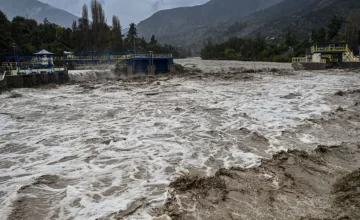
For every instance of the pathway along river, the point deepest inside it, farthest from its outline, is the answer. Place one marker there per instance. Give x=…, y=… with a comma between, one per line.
x=111, y=148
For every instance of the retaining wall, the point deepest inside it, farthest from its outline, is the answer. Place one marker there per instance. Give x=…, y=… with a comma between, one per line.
x=309, y=66
x=323, y=66
x=29, y=81
x=350, y=65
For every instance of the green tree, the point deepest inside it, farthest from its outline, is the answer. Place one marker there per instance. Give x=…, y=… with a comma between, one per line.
x=29, y=36
x=153, y=40
x=208, y=51
x=84, y=26
x=132, y=37
x=334, y=27
x=318, y=35
x=100, y=30
x=352, y=31
x=116, y=35
x=5, y=36
x=291, y=38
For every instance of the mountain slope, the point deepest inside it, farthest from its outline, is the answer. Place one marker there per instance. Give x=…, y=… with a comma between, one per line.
x=36, y=10
x=300, y=16
x=168, y=24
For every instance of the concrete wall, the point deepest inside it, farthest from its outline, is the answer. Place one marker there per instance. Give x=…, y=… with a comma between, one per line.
x=316, y=58
x=29, y=81
x=309, y=66
x=349, y=65
x=323, y=66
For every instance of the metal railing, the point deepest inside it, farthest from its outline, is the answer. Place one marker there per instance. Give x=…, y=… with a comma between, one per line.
x=305, y=60
x=351, y=56
x=300, y=60
x=167, y=55
x=330, y=48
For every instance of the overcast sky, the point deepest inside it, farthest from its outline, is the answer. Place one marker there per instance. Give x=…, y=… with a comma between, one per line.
x=128, y=10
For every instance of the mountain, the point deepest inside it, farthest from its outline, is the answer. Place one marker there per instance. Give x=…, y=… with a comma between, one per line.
x=36, y=10
x=174, y=24
x=299, y=16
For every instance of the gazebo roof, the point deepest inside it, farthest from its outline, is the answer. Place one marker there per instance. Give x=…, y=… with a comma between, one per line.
x=43, y=52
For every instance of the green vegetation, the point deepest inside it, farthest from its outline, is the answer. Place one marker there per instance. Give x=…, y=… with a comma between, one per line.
x=260, y=48
x=85, y=35
x=255, y=49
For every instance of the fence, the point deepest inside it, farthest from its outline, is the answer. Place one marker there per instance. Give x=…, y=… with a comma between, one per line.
x=330, y=48
x=305, y=60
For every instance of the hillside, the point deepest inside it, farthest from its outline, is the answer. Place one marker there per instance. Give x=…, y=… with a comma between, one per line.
x=174, y=24
x=300, y=16
x=36, y=10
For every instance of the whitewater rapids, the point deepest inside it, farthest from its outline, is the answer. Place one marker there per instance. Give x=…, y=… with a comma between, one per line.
x=105, y=145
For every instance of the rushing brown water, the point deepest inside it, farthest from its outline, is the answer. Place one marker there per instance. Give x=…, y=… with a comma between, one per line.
x=93, y=150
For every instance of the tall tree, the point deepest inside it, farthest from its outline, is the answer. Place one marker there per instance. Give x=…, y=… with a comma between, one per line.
x=85, y=28
x=116, y=35
x=318, y=35
x=352, y=31
x=334, y=27
x=290, y=38
x=76, y=36
x=100, y=29
x=5, y=36
x=132, y=36
x=153, y=41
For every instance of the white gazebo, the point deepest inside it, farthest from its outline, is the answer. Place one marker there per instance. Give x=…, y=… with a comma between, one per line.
x=45, y=57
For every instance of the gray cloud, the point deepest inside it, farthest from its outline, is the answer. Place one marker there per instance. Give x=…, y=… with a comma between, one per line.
x=127, y=10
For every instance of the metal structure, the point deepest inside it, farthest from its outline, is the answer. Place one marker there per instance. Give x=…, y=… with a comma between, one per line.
x=160, y=62
x=41, y=62
x=328, y=52
x=93, y=57
x=44, y=61
x=140, y=63
x=327, y=55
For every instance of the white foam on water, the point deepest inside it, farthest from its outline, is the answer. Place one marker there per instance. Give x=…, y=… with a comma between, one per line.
x=115, y=145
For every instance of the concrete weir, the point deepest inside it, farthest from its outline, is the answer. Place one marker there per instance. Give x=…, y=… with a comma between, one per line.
x=31, y=80
x=150, y=64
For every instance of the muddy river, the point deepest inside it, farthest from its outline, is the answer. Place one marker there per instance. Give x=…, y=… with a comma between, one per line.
x=92, y=150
